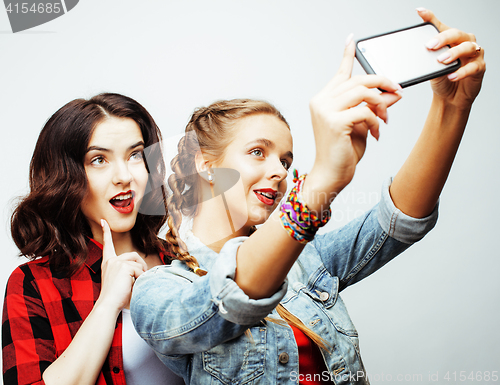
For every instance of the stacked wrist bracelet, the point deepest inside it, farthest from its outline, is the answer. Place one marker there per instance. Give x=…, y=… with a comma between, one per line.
x=300, y=223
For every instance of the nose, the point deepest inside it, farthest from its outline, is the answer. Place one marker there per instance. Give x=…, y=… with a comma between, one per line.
x=278, y=172
x=121, y=174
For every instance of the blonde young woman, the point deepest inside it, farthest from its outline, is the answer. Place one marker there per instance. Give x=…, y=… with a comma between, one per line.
x=265, y=308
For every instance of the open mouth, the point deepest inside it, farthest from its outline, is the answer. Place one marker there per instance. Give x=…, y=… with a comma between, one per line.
x=123, y=202
x=266, y=196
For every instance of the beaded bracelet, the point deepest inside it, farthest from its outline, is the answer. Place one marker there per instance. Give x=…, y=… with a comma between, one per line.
x=298, y=221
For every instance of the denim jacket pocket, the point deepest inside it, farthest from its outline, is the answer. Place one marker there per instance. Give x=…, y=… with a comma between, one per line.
x=240, y=360
x=322, y=287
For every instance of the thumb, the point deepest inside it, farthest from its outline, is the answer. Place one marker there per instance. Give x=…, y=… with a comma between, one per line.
x=390, y=97
x=428, y=16
x=108, y=248
x=345, y=70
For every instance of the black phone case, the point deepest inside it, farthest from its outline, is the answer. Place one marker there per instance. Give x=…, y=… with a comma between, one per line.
x=369, y=70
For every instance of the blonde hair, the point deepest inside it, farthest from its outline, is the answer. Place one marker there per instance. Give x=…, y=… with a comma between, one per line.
x=210, y=130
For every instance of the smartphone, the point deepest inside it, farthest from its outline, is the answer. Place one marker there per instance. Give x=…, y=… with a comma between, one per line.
x=402, y=56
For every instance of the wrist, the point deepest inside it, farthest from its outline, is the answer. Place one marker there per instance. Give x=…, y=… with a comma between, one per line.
x=106, y=308
x=319, y=190
x=297, y=218
x=449, y=105
x=448, y=116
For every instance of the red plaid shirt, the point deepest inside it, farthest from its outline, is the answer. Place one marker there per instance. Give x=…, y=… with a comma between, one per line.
x=42, y=313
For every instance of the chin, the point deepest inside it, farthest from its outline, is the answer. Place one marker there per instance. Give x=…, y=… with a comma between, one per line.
x=120, y=227
x=256, y=219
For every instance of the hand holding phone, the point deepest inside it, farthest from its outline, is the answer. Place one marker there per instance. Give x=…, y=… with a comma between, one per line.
x=402, y=55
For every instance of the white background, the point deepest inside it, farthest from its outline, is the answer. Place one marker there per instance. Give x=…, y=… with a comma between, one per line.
x=433, y=310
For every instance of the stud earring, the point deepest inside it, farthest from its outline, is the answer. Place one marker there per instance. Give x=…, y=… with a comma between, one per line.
x=211, y=181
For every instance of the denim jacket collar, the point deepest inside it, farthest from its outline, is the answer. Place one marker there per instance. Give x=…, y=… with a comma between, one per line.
x=204, y=255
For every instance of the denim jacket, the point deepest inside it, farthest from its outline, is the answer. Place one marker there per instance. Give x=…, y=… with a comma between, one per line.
x=197, y=325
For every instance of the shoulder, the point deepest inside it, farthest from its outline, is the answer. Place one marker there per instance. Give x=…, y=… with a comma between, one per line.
x=172, y=274
x=33, y=269
x=23, y=294
x=306, y=264
x=26, y=275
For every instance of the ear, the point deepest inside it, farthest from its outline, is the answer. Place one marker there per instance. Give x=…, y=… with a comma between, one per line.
x=202, y=165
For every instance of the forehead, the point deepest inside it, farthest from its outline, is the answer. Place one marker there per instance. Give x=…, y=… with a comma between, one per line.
x=114, y=131
x=263, y=126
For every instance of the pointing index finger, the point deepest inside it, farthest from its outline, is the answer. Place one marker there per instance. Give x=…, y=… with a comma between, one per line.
x=108, y=248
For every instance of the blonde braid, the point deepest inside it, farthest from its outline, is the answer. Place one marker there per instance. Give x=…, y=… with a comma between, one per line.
x=176, y=204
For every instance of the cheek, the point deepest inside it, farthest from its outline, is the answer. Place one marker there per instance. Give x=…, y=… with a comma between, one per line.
x=89, y=204
x=282, y=188
x=94, y=189
x=250, y=176
x=141, y=176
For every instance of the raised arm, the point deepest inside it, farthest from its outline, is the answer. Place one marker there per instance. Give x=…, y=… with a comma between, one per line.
x=340, y=134
x=417, y=186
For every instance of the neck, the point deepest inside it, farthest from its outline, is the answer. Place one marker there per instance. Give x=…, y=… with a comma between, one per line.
x=123, y=243
x=214, y=225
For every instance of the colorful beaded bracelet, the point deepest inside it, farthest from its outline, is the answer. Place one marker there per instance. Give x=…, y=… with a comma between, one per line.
x=300, y=223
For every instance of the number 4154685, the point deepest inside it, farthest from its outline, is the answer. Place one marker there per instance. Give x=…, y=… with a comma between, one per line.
x=478, y=376
x=34, y=8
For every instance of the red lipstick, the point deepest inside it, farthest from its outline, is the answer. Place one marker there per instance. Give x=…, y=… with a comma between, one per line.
x=123, y=202
x=266, y=195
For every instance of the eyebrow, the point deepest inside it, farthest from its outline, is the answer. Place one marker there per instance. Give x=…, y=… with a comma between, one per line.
x=97, y=148
x=269, y=144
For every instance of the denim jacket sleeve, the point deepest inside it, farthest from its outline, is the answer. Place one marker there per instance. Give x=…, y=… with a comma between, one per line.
x=367, y=243
x=178, y=312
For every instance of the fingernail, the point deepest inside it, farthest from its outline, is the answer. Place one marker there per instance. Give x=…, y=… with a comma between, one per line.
x=444, y=56
x=432, y=43
x=397, y=86
x=102, y=222
x=421, y=9
x=349, y=39
x=452, y=76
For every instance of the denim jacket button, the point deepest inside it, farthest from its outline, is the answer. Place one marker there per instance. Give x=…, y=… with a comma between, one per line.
x=324, y=296
x=283, y=358
x=221, y=308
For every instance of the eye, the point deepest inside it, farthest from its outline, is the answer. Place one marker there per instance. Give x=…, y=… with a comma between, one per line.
x=285, y=164
x=98, y=161
x=257, y=152
x=137, y=156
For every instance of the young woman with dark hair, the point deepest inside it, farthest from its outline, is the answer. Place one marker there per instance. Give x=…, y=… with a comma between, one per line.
x=272, y=314
x=97, y=163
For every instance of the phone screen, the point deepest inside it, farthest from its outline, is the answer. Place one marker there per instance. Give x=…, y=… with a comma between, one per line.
x=402, y=55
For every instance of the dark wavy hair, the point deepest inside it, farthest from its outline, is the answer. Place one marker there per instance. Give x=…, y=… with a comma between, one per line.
x=49, y=221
